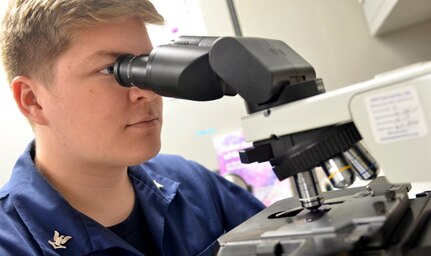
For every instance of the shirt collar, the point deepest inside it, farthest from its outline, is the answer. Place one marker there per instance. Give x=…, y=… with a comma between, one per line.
x=44, y=211
x=155, y=193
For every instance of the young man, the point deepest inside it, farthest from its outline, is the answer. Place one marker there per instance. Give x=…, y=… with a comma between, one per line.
x=80, y=188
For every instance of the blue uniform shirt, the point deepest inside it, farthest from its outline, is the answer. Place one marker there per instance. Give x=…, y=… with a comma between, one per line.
x=187, y=208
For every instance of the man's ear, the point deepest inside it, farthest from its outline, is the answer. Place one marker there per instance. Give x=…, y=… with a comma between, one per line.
x=25, y=94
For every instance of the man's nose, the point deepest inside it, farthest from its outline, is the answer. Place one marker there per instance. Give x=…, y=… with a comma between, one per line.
x=136, y=94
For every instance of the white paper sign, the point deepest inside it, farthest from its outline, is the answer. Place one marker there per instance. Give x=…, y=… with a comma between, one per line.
x=396, y=115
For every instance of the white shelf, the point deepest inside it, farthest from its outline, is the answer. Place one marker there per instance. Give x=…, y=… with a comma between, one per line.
x=384, y=16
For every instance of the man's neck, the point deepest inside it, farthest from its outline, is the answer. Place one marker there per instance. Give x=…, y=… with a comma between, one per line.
x=103, y=193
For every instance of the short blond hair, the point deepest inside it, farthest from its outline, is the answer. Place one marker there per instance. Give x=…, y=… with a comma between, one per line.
x=35, y=32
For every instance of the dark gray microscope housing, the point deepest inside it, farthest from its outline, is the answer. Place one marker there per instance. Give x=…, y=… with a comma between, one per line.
x=378, y=219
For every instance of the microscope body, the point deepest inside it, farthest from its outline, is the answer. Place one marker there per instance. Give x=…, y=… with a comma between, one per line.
x=391, y=114
x=297, y=126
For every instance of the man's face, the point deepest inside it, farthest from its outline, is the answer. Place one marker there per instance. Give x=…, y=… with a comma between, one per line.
x=90, y=116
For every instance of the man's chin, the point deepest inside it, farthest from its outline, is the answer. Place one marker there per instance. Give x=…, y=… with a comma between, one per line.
x=140, y=159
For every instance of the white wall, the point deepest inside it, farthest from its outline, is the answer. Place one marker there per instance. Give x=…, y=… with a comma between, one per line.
x=15, y=132
x=189, y=127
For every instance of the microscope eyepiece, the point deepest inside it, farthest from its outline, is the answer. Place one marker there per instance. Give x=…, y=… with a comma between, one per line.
x=131, y=70
x=174, y=70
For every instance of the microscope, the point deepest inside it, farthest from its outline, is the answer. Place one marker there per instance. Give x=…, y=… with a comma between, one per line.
x=298, y=127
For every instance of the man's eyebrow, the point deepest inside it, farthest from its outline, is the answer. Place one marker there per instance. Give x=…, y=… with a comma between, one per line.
x=104, y=53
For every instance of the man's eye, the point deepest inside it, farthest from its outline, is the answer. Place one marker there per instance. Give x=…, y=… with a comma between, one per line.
x=109, y=70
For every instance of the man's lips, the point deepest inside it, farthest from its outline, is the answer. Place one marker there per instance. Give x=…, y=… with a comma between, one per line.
x=151, y=121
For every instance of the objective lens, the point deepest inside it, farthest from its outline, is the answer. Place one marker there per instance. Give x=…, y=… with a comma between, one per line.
x=339, y=172
x=362, y=162
x=308, y=189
